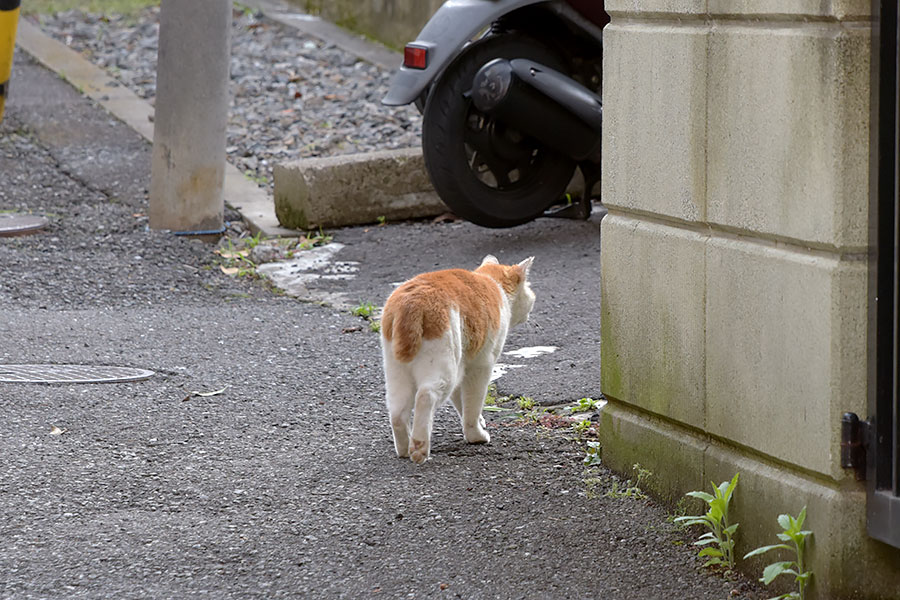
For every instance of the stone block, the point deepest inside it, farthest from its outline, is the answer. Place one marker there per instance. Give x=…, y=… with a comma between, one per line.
x=836, y=514
x=354, y=189
x=797, y=9
x=652, y=320
x=682, y=460
x=673, y=455
x=837, y=9
x=785, y=350
x=788, y=132
x=654, y=119
x=655, y=7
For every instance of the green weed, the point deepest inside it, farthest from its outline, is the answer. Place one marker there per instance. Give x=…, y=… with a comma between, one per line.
x=124, y=7
x=364, y=310
x=632, y=487
x=584, y=405
x=582, y=427
x=721, y=532
x=492, y=397
x=592, y=454
x=792, y=531
x=313, y=239
x=254, y=240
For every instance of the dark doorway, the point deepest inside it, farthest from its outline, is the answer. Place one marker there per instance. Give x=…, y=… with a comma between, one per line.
x=883, y=507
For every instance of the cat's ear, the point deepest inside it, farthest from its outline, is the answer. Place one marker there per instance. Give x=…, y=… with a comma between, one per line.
x=525, y=265
x=490, y=259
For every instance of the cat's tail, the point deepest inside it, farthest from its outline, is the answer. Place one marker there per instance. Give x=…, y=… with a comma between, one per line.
x=404, y=329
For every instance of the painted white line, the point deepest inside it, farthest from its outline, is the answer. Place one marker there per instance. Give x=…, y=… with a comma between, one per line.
x=532, y=351
x=501, y=369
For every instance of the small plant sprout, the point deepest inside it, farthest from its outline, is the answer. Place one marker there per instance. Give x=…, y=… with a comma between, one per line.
x=313, y=239
x=254, y=240
x=364, y=310
x=633, y=487
x=792, y=531
x=721, y=532
x=592, y=454
x=492, y=398
x=582, y=427
x=375, y=326
x=525, y=403
x=584, y=405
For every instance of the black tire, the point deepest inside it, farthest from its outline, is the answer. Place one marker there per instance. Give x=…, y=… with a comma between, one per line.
x=484, y=172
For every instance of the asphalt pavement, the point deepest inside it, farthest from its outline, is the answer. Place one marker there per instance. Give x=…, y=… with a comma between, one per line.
x=283, y=483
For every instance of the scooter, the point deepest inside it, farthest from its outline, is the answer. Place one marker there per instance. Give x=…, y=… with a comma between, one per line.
x=510, y=93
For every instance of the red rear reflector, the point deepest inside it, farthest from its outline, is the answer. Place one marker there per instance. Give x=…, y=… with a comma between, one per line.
x=415, y=57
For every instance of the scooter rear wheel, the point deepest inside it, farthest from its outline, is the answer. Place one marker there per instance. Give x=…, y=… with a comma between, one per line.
x=486, y=173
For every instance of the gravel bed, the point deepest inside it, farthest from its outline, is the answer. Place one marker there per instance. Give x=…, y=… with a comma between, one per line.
x=292, y=96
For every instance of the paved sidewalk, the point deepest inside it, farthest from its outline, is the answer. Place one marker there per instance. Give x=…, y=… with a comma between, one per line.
x=285, y=485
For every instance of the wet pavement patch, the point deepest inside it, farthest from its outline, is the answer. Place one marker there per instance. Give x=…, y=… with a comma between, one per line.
x=70, y=374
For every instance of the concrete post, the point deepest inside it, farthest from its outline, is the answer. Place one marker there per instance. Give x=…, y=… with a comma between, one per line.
x=188, y=166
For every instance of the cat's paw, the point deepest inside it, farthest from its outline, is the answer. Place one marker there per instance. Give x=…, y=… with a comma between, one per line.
x=402, y=447
x=477, y=435
x=420, y=451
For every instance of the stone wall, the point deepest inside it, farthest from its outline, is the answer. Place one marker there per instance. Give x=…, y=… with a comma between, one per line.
x=392, y=22
x=734, y=262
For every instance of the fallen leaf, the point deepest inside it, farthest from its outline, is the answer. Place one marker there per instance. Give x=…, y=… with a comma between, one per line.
x=208, y=394
x=57, y=431
x=351, y=329
x=232, y=253
x=444, y=586
x=447, y=217
x=229, y=270
x=205, y=394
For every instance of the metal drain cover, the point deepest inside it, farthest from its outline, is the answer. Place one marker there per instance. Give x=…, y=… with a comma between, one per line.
x=70, y=374
x=15, y=224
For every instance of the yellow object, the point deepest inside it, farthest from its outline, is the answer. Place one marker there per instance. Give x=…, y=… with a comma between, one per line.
x=9, y=19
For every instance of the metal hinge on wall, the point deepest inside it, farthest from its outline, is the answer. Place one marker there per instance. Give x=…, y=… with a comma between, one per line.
x=854, y=441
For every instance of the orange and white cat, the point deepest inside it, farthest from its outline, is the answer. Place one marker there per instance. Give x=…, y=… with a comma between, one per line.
x=441, y=334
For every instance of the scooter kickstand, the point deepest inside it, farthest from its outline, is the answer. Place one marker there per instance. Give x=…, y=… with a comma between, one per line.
x=579, y=208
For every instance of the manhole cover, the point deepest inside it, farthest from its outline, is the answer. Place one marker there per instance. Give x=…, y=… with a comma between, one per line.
x=12, y=224
x=70, y=374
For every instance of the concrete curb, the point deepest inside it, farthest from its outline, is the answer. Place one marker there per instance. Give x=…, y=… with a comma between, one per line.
x=355, y=189
x=368, y=50
x=256, y=206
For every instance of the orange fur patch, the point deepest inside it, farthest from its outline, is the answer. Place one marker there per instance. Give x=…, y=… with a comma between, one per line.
x=420, y=308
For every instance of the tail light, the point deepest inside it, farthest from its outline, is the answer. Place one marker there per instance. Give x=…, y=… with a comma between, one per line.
x=415, y=57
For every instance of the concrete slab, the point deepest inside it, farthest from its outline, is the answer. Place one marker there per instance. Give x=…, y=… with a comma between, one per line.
x=653, y=350
x=654, y=150
x=354, y=189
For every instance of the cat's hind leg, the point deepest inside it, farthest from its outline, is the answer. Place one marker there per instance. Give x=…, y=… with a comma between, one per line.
x=474, y=390
x=428, y=398
x=400, y=395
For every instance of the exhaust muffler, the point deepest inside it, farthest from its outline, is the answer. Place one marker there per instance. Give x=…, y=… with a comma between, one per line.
x=542, y=103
